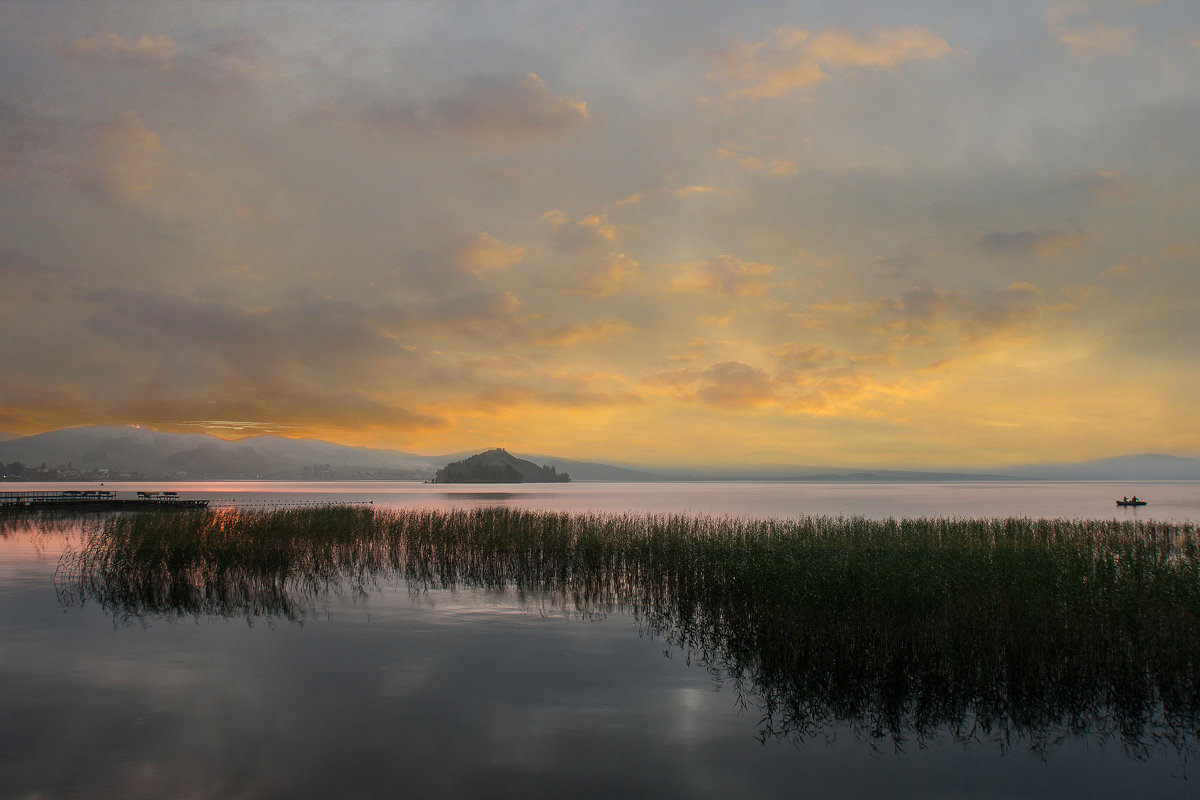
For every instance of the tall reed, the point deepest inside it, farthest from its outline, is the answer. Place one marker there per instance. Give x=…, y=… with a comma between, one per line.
x=998, y=629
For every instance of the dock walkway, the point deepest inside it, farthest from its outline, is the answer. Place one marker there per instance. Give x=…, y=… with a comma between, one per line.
x=94, y=500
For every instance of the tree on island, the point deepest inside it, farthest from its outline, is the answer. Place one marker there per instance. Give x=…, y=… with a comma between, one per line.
x=498, y=466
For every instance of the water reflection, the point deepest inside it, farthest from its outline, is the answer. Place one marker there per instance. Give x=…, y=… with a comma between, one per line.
x=489, y=496
x=1002, y=632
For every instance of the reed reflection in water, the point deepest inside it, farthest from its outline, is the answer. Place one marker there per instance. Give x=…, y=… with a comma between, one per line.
x=1005, y=631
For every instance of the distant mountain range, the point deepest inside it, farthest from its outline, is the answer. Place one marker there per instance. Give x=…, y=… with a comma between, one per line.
x=146, y=453
x=1143, y=467
x=141, y=453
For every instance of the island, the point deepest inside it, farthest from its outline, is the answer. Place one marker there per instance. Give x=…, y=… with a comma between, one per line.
x=498, y=466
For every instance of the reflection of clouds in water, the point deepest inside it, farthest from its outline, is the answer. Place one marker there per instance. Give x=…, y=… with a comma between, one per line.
x=690, y=707
x=463, y=693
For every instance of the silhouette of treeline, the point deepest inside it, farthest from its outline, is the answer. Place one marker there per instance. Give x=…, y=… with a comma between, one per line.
x=498, y=466
x=998, y=630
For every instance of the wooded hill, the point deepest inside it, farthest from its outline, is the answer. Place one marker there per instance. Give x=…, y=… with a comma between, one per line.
x=498, y=466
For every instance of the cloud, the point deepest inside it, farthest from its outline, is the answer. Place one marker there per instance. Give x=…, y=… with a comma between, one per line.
x=688, y=191
x=773, y=167
x=125, y=160
x=112, y=49
x=1097, y=41
x=885, y=49
x=23, y=279
x=734, y=383
x=617, y=272
x=923, y=317
x=601, y=225
x=1127, y=272
x=1082, y=294
x=126, y=163
x=489, y=110
x=797, y=361
x=247, y=340
x=1101, y=184
x=319, y=337
x=1062, y=11
x=593, y=232
x=483, y=252
x=470, y=312
x=567, y=335
x=723, y=275
x=810, y=381
x=1176, y=250
x=823, y=382
x=314, y=361
x=234, y=58
x=999, y=311
x=728, y=384
x=279, y=407
x=792, y=58
x=918, y=314
x=1042, y=243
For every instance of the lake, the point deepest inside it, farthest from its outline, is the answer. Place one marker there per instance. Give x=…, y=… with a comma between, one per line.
x=466, y=692
x=1174, y=500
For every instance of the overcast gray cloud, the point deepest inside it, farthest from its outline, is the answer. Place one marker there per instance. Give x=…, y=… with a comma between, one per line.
x=563, y=225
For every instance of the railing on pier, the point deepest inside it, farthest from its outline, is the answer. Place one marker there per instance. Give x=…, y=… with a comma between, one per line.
x=57, y=497
x=95, y=500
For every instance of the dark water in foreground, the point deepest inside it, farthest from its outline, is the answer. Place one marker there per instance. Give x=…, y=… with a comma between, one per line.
x=469, y=692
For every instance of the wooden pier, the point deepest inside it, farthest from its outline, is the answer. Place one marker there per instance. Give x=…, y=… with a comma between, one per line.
x=94, y=500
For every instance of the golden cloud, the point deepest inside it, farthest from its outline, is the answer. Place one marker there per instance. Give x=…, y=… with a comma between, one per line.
x=567, y=335
x=618, y=271
x=723, y=275
x=1044, y=243
x=729, y=384
x=734, y=383
x=588, y=234
x=600, y=224
x=1097, y=41
x=775, y=167
x=922, y=317
x=793, y=58
x=126, y=160
x=688, y=191
x=484, y=252
x=885, y=49
x=113, y=49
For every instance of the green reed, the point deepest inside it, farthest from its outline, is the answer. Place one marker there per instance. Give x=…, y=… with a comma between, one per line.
x=998, y=629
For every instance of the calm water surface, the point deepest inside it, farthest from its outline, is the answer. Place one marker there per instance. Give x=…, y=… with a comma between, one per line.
x=472, y=693
x=1176, y=501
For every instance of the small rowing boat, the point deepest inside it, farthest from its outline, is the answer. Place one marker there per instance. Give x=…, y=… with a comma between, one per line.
x=1133, y=502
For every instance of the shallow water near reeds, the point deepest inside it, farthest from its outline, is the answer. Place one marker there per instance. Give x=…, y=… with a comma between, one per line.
x=359, y=669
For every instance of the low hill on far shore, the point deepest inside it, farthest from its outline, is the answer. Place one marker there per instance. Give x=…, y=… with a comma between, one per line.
x=498, y=466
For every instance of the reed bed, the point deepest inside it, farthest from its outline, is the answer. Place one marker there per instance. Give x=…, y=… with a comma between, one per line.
x=1002, y=630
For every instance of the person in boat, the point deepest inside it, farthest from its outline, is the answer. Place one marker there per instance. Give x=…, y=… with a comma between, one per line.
x=1125, y=499
x=1135, y=498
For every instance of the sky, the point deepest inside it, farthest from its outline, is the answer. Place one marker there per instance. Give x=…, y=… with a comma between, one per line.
x=892, y=233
